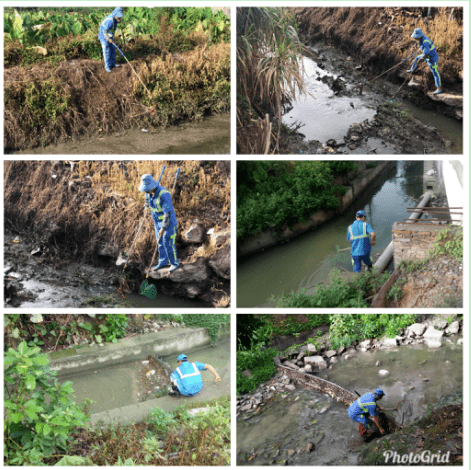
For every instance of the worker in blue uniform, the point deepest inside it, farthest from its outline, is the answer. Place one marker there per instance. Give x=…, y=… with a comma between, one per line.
x=159, y=201
x=186, y=378
x=106, y=36
x=429, y=53
x=358, y=234
x=363, y=410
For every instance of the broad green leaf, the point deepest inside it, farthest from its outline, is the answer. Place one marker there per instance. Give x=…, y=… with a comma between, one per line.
x=16, y=417
x=22, y=347
x=30, y=382
x=47, y=429
x=40, y=360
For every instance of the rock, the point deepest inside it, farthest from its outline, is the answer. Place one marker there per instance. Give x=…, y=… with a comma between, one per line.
x=460, y=341
x=219, y=238
x=441, y=324
x=378, y=363
x=347, y=357
x=385, y=131
x=453, y=328
x=455, y=101
x=333, y=360
x=389, y=343
x=356, y=127
x=301, y=355
x=307, y=368
x=246, y=407
x=432, y=333
x=352, y=146
x=417, y=329
x=195, y=234
x=433, y=343
x=383, y=372
x=311, y=348
x=290, y=387
x=192, y=290
x=277, y=361
x=220, y=262
x=366, y=344
x=106, y=249
x=291, y=365
x=186, y=273
x=331, y=353
x=318, y=361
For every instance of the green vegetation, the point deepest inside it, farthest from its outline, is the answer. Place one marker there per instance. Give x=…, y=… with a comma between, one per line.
x=291, y=325
x=275, y=193
x=40, y=413
x=339, y=292
x=449, y=242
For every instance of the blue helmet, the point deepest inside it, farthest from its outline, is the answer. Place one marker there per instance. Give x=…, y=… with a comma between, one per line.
x=417, y=34
x=361, y=214
x=147, y=183
x=117, y=13
x=379, y=392
x=182, y=357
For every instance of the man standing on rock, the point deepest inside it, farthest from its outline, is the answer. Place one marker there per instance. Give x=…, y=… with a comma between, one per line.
x=363, y=411
x=429, y=53
x=186, y=378
x=105, y=35
x=358, y=234
x=159, y=200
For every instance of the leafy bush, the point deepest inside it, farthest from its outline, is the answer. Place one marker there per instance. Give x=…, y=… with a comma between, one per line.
x=260, y=363
x=114, y=327
x=271, y=194
x=40, y=413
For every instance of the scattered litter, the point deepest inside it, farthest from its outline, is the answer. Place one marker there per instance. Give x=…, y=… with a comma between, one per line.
x=145, y=362
x=36, y=251
x=16, y=240
x=210, y=231
x=144, y=130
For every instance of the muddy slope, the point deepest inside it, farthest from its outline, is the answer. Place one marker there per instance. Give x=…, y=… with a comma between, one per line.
x=380, y=38
x=90, y=211
x=46, y=102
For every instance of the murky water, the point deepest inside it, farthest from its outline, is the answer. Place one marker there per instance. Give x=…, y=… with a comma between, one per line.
x=281, y=433
x=308, y=259
x=324, y=115
x=133, y=382
x=210, y=136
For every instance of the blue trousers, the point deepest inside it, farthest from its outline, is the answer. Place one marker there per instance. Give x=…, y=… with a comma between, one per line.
x=433, y=64
x=361, y=419
x=167, y=248
x=356, y=261
x=109, y=54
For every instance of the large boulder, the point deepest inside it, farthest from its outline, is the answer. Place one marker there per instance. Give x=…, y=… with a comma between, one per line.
x=291, y=365
x=417, y=329
x=433, y=343
x=453, y=329
x=366, y=344
x=195, y=234
x=311, y=348
x=317, y=361
x=186, y=273
x=220, y=262
x=389, y=343
x=219, y=238
x=433, y=333
x=331, y=353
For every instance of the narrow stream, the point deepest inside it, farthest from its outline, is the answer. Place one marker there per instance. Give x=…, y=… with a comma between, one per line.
x=279, y=435
x=308, y=259
x=133, y=382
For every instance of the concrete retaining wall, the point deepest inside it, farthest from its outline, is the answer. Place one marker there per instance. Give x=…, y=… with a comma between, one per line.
x=411, y=242
x=163, y=343
x=272, y=237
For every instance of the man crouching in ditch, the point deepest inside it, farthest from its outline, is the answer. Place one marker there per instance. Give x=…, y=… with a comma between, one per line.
x=186, y=378
x=364, y=411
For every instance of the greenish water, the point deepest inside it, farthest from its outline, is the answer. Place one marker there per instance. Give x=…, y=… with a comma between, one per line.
x=308, y=259
x=133, y=382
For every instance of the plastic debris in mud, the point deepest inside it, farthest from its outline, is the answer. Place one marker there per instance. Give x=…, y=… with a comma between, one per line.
x=148, y=290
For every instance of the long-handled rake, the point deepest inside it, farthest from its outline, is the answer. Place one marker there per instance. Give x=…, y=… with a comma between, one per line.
x=149, y=94
x=149, y=290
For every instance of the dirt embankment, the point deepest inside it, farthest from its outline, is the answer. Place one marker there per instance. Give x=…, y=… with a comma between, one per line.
x=91, y=211
x=380, y=38
x=49, y=102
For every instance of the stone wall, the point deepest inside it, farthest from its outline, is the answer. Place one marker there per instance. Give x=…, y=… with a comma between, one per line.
x=412, y=241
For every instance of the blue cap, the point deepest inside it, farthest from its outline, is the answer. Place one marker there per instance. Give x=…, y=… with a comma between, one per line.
x=417, y=34
x=147, y=183
x=379, y=392
x=118, y=12
x=361, y=214
x=182, y=357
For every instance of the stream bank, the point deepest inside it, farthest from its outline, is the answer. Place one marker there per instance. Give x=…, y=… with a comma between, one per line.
x=67, y=222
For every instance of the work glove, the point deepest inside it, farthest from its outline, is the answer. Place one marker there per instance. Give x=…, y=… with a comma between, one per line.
x=146, y=203
x=421, y=56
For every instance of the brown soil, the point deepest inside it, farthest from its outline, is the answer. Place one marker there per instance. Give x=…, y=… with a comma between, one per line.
x=380, y=37
x=91, y=210
x=45, y=102
x=440, y=285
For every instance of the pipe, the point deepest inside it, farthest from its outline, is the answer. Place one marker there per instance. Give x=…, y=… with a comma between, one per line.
x=387, y=254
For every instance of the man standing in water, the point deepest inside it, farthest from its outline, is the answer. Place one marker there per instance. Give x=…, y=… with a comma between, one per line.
x=159, y=200
x=186, y=378
x=363, y=411
x=105, y=35
x=358, y=234
x=429, y=53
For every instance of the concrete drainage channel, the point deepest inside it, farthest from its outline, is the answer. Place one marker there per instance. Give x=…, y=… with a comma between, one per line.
x=123, y=381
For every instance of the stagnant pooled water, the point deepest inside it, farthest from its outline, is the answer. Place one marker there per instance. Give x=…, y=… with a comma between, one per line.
x=418, y=376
